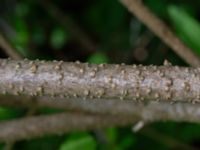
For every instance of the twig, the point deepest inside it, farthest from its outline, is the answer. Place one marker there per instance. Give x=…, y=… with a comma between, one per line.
x=149, y=112
x=161, y=30
x=8, y=48
x=31, y=127
x=91, y=81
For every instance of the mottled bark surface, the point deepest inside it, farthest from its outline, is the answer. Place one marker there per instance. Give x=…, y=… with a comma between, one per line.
x=90, y=81
x=148, y=112
x=104, y=95
x=120, y=114
x=59, y=124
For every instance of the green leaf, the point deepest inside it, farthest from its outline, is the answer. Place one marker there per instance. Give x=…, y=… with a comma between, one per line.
x=112, y=134
x=58, y=38
x=160, y=7
x=189, y=132
x=127, y=142
x=98, y=58
x=22, y=37
x=187, y=27
x=85, y=143
x=9, y=113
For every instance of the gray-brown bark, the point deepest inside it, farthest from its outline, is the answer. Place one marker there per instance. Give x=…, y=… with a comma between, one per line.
x=59, y=124
x=148, y=112
x=90, y=81
x=32, y=127
x=149, y=93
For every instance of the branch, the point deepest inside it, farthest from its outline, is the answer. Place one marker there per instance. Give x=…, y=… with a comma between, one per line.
x=149, y=112
x=27, y=128
x=90, y=81
x=8, y=48
x=12, y=53
x=62, y=123
x=157, y=26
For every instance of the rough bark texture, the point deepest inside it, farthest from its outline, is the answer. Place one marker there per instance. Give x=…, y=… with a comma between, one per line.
x=127, y=114
x=59, y=124
x=148, y=112
x=90, y=81
x=113, y=95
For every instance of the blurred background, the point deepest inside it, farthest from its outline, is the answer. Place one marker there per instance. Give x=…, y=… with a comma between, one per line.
x=100, y=31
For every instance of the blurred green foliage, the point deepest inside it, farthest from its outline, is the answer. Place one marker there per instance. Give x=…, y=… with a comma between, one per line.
x=10, y=113
x=119, y=36
x=187, y=27
x=58, y=38
x=98, y=58
x=79, y=141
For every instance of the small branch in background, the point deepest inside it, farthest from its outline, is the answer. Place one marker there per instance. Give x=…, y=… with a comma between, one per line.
x=90, y=81
x=31, y=127
x=27, y=128
x=75, y=30
x=149, y=112
x=8, y=48
x=157, y=26
x=12, y=53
